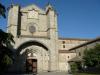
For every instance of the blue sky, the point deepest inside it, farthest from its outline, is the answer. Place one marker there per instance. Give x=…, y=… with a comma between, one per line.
x=76, y=18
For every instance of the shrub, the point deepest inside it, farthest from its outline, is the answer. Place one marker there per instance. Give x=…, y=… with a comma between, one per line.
x=74, y=67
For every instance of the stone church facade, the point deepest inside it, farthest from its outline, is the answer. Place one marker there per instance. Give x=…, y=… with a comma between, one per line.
x=37, y=45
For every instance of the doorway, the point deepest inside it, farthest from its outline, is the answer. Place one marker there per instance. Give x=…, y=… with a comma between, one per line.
x=31, y=65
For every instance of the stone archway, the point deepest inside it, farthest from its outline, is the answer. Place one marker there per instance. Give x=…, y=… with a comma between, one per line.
x=28, y=43
x=36, y=51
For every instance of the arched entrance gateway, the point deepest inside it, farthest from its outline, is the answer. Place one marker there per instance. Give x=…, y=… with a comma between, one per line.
x=32, y=56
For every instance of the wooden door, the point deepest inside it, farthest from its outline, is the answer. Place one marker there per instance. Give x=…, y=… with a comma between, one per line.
x=31, y=65
x=34, y=66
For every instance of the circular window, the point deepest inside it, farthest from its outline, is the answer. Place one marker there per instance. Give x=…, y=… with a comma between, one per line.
x=32, y=29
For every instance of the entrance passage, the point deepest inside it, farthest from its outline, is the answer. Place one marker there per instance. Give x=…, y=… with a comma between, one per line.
x=31, y=65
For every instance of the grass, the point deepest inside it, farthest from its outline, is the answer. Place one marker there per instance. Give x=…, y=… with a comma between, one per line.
x=84, y=74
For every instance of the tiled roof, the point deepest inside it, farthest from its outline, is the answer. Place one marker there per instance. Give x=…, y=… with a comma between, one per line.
x=66, y=51
x=86, y=43
x=83, y=39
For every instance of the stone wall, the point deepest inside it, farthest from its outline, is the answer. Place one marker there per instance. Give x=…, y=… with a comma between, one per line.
x=63, y=61
x=66, y=44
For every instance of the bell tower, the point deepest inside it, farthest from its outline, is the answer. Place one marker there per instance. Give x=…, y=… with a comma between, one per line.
x=51, y=21
x=53, y=35
x=31, y=23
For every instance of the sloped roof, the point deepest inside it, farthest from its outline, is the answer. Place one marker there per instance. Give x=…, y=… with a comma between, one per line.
x=83, y=39
x=86, y=43
x=76, y=59
x=66, y=51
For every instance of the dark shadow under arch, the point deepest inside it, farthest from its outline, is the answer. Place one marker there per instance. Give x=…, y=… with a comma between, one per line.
x=29, y=43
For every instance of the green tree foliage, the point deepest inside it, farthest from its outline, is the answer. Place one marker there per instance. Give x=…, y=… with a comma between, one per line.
x=6, y=41
x=74, y=67
x=2, y=10
x=6, y=38
x=6, y=53
x=92, y=56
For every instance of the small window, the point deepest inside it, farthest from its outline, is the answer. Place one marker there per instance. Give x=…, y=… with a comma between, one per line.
x=79, y=54
x=63, y=46
x=68, y=56
x=63, y=42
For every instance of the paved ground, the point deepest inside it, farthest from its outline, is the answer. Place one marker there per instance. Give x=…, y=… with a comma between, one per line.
x=45, y=73
x=54, y=73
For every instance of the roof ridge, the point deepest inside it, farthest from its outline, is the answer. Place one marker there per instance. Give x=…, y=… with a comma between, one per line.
x=74, y=38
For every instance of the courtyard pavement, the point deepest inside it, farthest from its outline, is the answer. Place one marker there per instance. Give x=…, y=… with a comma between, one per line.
x=54, y=73
x=45, y=73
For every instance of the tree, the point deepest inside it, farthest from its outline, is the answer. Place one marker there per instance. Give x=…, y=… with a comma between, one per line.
x=6, y=53
x=2, y=10
x=92, y=56
x=6, y=41
x=6, y=38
